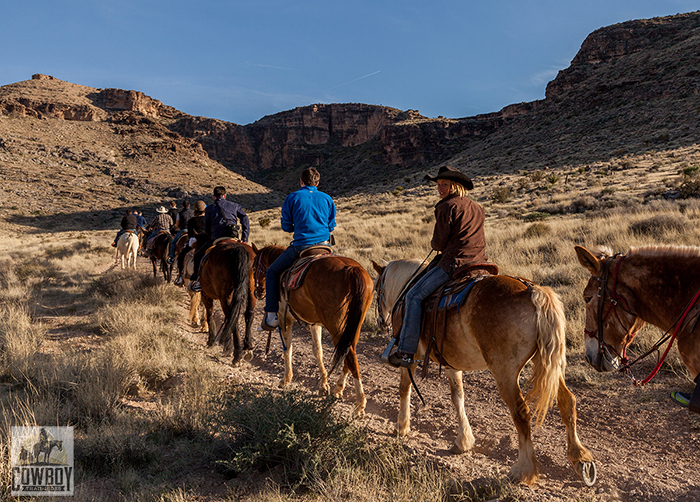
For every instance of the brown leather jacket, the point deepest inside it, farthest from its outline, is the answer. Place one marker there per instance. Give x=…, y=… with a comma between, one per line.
x=459, y=232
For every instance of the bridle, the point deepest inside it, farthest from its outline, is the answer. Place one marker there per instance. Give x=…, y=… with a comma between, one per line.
x=615, y=300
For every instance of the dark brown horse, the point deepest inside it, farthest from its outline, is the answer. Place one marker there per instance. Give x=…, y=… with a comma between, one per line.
x=159, y=252
x=655, y=284
x=336, y=293
x=226, y=275
x=503, y=324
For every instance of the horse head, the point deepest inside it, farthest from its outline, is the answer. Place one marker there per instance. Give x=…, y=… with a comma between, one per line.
x=611, y=321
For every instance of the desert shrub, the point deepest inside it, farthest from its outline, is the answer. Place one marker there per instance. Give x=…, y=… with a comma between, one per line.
x=583, y=204
x=264, y=222
x=690, y=171
x=552, y=178
x=536, y=216
x=536, y=176
x=537, y=229
x=289, y=429
x=658, y=225
x=397, y=191
x=501, y=194
x=690, y=189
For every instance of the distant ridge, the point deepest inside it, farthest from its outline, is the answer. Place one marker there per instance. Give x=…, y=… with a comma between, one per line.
x=632, y=87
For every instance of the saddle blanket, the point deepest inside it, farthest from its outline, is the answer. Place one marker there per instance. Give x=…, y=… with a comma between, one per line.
x=152, y=238
x=294, y=276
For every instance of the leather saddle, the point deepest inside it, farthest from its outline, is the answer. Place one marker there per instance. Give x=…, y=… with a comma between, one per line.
x=293, y=277
x=453, y=294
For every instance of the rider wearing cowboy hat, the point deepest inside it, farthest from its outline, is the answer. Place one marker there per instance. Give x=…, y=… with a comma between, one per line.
x=459, y=237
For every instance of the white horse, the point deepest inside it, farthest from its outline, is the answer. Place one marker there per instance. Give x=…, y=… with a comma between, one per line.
x=127, y=247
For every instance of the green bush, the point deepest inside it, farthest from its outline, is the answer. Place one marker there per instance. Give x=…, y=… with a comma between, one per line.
x=303, y=434
x=501, y=194
x=264, y=222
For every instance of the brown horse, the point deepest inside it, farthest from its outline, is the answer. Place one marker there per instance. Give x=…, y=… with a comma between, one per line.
x=336, y=293
x=226, y=275
x=504, y=323
x=655, y=284
x=159, y=252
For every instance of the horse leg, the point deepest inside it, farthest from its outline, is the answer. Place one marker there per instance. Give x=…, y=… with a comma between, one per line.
x=465, y=437
x=525, y=469
x=577, y=454
x=155, y=269
x=286, y=328
x=211, y=323
x=403, y=425
x=194, y=308
x=351, y=365
x=248, y=316
x=323, y=388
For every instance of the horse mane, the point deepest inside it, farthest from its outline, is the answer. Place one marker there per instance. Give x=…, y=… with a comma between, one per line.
x=665, y=251
x=396, y=274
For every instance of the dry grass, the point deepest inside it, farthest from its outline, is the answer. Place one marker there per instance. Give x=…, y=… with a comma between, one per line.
x=531, y=233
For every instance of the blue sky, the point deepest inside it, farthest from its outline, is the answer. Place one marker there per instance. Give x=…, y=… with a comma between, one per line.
x=241, y=60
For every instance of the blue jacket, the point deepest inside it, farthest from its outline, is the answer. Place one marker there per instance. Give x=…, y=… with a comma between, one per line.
x=216, y=223
x=310, y=214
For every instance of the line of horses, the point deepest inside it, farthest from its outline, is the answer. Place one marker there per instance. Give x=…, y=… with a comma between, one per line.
x=504, y=323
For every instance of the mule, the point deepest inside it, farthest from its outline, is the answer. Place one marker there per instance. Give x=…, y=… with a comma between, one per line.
x=127, y=249
x=226, y=275
x=159, y=253
x=336, y=294
x=503, y=324
x=655, y=284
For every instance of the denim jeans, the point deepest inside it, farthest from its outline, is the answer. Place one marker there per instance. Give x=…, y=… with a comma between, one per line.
x=173, y=243
x=410, y=329
x=272, y=276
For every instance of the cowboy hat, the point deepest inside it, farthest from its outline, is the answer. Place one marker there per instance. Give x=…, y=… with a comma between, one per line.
x=452, y=174
x=161, y=209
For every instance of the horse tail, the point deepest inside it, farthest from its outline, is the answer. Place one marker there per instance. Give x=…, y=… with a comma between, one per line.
x=239, y=259
x=359, y=291
x=550, y=356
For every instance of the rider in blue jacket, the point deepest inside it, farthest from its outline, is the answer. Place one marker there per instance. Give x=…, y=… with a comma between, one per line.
x=310, y=215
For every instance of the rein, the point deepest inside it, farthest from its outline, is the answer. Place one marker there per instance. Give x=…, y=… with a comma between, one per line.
x=615, y=299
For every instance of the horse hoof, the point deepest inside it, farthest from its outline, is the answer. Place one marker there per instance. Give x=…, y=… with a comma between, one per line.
x=248, y=356
x=456, y=450
x=588, y=472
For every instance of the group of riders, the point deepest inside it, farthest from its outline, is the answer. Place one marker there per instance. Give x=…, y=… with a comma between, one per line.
x=309, y=214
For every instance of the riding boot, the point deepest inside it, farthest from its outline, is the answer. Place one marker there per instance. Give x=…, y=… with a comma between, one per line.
x=694, y=404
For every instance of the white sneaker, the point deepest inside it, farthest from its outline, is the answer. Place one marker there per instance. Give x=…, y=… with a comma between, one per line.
x=270, y=321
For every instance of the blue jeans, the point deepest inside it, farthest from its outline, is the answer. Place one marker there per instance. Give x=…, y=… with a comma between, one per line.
x=272, y=276
x=171, y=252
x=410, y=329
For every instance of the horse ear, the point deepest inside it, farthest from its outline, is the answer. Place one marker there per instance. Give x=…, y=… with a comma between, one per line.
x=255, y=249
x=588, y=260
x=378, y=267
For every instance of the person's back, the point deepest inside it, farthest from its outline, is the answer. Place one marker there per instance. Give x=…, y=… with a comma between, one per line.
x=162, y=221
x=184, y=217
x=223, y=216
x=310, y=215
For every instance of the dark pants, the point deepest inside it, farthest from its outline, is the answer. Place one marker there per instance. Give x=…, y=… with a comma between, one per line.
x=121, y=232
x=203, y=244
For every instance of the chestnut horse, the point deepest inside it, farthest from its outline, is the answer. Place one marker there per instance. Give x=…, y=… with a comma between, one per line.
x=195, y=298
x=159, y=252
x=504, y=323
x=655, y=284
x=336, y=293
x=226, y=275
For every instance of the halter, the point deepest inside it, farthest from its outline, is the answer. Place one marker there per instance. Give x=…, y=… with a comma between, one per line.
x=604, y=348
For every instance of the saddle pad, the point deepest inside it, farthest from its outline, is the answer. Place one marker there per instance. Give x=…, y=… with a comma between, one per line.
x=294, y=277
x=454, y=294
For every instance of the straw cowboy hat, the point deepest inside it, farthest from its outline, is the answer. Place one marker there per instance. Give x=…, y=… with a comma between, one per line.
x=452, y=174
x=161, y=209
